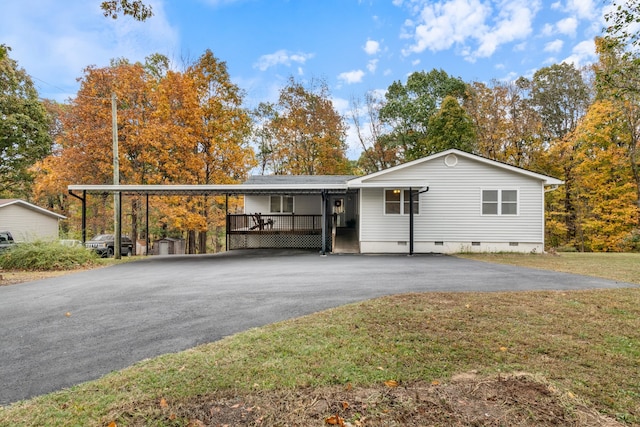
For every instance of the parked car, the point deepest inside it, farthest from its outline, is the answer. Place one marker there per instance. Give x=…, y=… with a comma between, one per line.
x=70, y=242
x=104, y=244
x=6, y=240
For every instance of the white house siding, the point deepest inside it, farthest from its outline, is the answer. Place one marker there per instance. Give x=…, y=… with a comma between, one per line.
x=302, y=204
x=27, y=225
x=450, y=212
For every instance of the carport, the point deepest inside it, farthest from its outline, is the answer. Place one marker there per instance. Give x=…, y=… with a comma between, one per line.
x=324, y=189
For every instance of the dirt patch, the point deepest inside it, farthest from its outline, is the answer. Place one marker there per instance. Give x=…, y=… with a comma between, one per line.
x=514, y=400
x=16, y=277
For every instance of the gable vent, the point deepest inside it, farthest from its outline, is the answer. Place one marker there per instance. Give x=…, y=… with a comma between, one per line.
x=451, y=160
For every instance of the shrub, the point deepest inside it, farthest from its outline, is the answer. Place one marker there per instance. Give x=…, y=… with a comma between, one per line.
x=41, y=256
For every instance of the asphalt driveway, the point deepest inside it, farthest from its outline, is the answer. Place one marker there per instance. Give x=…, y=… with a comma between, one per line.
x=59, y=332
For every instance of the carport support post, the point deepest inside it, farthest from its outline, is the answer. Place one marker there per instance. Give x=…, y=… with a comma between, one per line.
x=117, y=244
x=83, y=199
x=84, y=216
x=324, y=223
x=146, y=231
x=410, y=221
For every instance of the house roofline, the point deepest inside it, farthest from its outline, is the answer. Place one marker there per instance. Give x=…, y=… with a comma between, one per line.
x=9, y=202
x=548, y=180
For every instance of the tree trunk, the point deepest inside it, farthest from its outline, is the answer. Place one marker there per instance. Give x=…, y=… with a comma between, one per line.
x=202, y=242
x=191, y=242
x=218, y=243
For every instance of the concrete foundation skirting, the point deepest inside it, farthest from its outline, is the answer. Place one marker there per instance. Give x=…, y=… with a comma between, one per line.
x=447, y=247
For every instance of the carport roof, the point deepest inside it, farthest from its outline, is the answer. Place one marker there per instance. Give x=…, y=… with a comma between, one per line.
x=282, y=187
x=256, y=184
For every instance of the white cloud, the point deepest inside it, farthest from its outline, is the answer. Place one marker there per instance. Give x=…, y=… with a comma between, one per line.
x=55, y=43
x=281, y=57
x=554, y=46
x=584, y=9
x=582, y=54
x=514, y=23
x=567, y=26
x=442, y=24
x=371, y=47
x=547, y=30
x=372, y=65
x=350, y=77
x=470, y=25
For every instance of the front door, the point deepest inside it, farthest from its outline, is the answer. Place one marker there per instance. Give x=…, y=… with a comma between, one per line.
x=338, y=210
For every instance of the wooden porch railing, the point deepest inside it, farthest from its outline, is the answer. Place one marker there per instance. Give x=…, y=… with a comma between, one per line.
x=274, y=224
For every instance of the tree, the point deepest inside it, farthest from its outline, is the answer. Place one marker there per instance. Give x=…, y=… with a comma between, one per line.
x=134, y=8
x=606, y=194
x=451, y=127
x=307, y=133
x=409, y=107
x=561, y=97
x=618, y=80
x=622, y=22
x=221, y=133
x=377, y=153
x=24, y=125
x=173, y=127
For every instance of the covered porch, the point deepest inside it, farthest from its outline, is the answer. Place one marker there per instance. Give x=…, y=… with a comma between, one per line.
x=258, y=231
x=310, y=229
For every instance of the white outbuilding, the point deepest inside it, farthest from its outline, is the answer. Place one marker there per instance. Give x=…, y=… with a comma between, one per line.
x=28, y=222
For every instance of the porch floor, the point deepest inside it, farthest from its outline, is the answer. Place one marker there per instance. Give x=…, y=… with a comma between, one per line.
x=346, y=241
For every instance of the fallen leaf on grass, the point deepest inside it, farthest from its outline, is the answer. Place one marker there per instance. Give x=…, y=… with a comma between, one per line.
x=113, y=424
x=391, y=383
x=163, y=403
x=335, y=420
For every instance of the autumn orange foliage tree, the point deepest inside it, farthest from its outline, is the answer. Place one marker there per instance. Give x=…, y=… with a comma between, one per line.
x=173, y=127
x=302, y=134
x=604, y=182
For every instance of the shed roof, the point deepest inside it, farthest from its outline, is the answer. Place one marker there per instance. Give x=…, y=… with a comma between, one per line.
x=27, y=205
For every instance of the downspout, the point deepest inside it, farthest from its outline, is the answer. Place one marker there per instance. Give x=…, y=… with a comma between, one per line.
x=146, y=232
x=83, y=199
x=552, y=188
x=422, y=190
x=410, y=221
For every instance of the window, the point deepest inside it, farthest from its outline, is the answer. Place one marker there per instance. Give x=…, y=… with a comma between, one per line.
x=396, y=202
x=499, y=202
x=281, y=204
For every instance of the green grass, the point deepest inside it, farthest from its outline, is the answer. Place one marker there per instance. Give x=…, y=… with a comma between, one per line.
x=584, y=342
x=622, y=267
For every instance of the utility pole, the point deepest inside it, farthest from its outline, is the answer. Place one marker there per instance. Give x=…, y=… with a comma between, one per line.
x=117, y=244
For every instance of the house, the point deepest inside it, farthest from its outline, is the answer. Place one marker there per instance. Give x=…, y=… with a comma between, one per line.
x=28, y=222
x=461, y=203
x=448, y=202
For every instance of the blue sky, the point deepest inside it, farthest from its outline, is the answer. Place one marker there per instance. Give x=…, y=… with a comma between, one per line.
x=355, y=45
